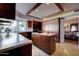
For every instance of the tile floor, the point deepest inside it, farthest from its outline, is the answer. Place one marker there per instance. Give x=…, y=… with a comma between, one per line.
x=37, y=52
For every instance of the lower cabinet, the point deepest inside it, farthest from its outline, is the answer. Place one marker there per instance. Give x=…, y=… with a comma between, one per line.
x=20, y=51
x=27, y=34
x=45, y=43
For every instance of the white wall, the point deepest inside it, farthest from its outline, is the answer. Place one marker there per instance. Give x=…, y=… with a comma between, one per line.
x=67, y=28
x=61, y=30
x=50, y=26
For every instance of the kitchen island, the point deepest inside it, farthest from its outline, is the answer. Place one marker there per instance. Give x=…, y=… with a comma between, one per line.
x=45, y=42
x=15, y=45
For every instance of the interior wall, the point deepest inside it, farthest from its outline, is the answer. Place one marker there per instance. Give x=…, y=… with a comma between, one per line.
x=50, y=26
x=67, y=28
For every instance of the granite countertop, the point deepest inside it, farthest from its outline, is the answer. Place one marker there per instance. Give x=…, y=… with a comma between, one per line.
x=11, y=41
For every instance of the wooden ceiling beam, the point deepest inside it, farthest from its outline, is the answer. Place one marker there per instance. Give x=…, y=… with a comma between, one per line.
x=59, y=6
x=33, y=8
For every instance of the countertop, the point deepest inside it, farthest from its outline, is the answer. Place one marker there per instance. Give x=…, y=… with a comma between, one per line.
x=46, y=34
x=11, y=41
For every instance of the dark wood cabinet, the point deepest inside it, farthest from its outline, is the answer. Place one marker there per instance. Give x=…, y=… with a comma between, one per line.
x=44, y=42
x=40, y=26
x=26, y=34
x=37, y=26
x=7, y=10
x=20, y=51
x=29, y=24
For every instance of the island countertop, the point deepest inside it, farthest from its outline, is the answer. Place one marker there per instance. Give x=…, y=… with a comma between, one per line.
x=12, y=41
x=46, y=34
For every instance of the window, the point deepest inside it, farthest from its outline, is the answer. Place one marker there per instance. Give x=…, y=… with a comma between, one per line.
x=73, y=28
x=22, y=26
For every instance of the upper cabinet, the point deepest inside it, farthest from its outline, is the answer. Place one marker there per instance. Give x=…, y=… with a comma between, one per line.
x=35, y=25
x=7, y=10
x=29, y=24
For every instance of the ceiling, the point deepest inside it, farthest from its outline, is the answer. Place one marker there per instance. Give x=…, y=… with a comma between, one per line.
x=43, y=9
x=70, y=10
x=46, y=11
x=67, y=15
x=70, y=6
x=23, y=8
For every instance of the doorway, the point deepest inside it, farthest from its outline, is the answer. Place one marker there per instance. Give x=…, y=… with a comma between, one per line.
x=71, y=31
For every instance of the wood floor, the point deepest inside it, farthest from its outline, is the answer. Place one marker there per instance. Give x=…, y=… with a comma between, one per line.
x=62, y=49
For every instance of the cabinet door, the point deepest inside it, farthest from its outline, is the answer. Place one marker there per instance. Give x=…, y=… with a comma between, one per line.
x=29, y=24
x=20, y=51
